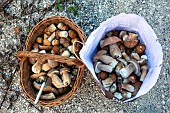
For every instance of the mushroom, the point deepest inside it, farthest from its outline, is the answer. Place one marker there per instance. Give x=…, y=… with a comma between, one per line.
x=119, y=66
x=102, y=75
x=114, y=49
x=55, y=42
x=102, y=67
x=52, y=63
x=33, y=76
x=109, y=34
x=125, y=81
x=35, y=47
x=62, y=26
x=118, y=95
x=127, y=70
x=51, y=37
x=131, y=43
x=72, y=34
x=98, y=55
x=47, y=48
x=132, y=78
x=126, y=94
x=132, y=36
x=74, y=71
x=45, y=36
x=143, y=60
x=66, y=44
x=115, y=33
x=126, y=57
x=135, y=56
x=63, y=34
x=113, y=88
x=46, y=67
x=123, y=61
x=36, y=68
x=140, y=49
x=56, y=81
x=74, y=39
x=107, y=83
x=137, y=86
x=47, y=32
x=55, y=50
x=40, y=79
x=65, y=76
x=128, y=87
x=66, y=53
x=42, y=51
x=144, y=69
x=108, y=60
x=39, y=40
x=123, y=34
x=48, y=96
x=70, y=48
x=52, y=28
x=46, y=42
x=46, y=88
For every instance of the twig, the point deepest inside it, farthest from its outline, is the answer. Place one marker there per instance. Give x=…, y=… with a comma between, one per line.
x=8, y=87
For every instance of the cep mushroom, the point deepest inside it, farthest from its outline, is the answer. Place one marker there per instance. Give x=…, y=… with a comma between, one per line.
x=128, y=87
x=140, y=48
x=36, y=68
x=127, y=70
x=102, y=67
x=143, y=60
x=48, y=96
x=135, y=56
x=98, y=55
x=144, y=69
x=56, y=81
x=65, y=76
x=46, y=88
x=108, y=60
x=131, y=41
x=114, y=49
x=107, y=83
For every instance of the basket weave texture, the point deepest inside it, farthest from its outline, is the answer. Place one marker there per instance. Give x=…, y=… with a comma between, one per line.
x=25, y=67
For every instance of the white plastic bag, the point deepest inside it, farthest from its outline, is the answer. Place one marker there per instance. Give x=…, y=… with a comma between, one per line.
x=133, y=23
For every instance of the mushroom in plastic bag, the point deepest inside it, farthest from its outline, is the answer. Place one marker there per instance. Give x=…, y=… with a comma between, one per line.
x=132, y=23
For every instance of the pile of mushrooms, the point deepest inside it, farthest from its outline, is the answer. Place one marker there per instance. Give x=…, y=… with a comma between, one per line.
x=59, y=78
x=121, y=64
x=57, y=39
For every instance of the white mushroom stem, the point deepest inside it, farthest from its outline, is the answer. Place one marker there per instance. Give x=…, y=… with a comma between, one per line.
x=51, y=37
x=127, y=58
x=135, y=56
x=99, y=66
x=65, y=77
x=113, y=88
x=115, y=51
x=144, y=72
x=108, y=60
x=143, y=59
x=128, y=87
x=133, y=66
x=126, y=71
x=118, y=95
x=36, y=68
x=48, y=96
x=119, y=66
x=56, y=81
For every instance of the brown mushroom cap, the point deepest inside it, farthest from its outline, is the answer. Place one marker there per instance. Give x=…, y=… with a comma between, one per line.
x=135, y=63
x=144, y=67
x=110, y=40
x=99, y=54
x=140, y=48
x=131, y=43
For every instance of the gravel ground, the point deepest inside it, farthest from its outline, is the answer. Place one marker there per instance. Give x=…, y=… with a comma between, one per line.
x=88, y=99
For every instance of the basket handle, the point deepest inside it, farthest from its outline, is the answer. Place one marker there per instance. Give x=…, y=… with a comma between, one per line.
x=74, y=49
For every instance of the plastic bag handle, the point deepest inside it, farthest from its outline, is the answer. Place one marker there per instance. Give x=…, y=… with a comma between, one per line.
x=74, y=49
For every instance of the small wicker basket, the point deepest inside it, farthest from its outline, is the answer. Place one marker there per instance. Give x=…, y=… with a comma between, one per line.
x=25, y=67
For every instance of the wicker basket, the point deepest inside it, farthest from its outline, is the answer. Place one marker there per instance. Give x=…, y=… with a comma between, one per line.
x=25, y=67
